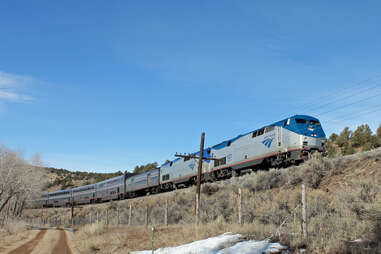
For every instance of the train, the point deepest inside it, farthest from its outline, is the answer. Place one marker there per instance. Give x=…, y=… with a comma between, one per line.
x=280, y=144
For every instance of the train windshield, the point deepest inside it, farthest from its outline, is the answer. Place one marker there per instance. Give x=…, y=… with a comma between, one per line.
x=313, y=122
x=301, y=121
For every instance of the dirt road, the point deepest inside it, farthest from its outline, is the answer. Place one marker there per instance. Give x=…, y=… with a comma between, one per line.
x=45, y=242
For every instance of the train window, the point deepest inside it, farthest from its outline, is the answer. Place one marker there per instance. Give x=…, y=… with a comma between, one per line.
x=284, y=123
x=220, y=162
x=165, y=177
x=260, y=132
x=301, y=121
x=186, y=158
x=270, y=128
x=170, y=164
x=313, y=122
x=229, y=143
x=255, y=133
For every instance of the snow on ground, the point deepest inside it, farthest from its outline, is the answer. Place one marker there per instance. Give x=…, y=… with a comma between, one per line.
x=227, y=243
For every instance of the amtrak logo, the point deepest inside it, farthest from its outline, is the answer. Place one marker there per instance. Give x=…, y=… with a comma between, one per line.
x=267, y=141
x=192, y=165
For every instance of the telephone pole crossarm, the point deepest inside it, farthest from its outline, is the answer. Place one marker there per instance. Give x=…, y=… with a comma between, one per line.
x=194, y=157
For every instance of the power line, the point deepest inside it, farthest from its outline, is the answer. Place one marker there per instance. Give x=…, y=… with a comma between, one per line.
x=352, y=115
x=339, y=97
x=312, y=105
x=350, y=104
x=347, y=97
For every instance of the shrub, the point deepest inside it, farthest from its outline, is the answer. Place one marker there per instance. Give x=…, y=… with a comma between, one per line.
x=368, y=192
x=209, y=189
x=14, y=226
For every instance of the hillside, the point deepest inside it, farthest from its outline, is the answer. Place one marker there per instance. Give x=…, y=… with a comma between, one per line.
x=343, y=195
x=58, y=179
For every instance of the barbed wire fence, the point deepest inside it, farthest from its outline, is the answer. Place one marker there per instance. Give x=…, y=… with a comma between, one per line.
x=171, y=211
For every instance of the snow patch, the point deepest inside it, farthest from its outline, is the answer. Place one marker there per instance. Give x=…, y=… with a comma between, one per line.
x=223, y=244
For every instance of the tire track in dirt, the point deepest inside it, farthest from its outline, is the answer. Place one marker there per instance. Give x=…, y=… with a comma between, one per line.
x=62, y=246
x=29, y=246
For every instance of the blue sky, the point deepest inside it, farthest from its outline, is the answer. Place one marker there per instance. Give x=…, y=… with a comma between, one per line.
x=106, y=85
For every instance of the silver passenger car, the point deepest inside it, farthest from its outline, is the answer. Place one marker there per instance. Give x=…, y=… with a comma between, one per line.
x=113, y=188
x=84, y=194
x=147, y=182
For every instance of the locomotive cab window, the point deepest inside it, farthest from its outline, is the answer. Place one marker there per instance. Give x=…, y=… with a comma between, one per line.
x=301, y=121
x=255, y=133
x=313, y=122
x=260, y=132
x=229, y=143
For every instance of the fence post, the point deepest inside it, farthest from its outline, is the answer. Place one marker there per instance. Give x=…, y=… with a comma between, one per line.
x=106, y=216
x=197, y=210
x=304, y=214
x=117, y=214
x=240, y=206
x=294, y=223
x=130, y=216
x=72, y=216
x=147, y=216
x=166, y=213
x=153, y=246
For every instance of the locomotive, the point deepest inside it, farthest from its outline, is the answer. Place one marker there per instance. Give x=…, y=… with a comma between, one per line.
x=286, y=142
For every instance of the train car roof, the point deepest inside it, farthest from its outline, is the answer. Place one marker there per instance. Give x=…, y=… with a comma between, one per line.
x=110, y=179
x=143, y=173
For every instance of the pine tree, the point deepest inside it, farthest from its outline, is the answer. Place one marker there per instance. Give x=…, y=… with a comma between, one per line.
x=362, y=136
x=333, y=137
x=344, y=137
x=331, y=150
x=348, y=149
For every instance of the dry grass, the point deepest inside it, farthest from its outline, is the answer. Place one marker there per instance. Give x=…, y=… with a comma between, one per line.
x=127, y=239
x=13, y=226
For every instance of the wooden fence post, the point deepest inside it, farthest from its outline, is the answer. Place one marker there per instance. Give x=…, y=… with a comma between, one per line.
x=240, y=206
x=304, y=214
x=147, y=216
x=117, y=216
x=197, y=210
x=166, y=213
x=130, y=216
x=106, y=216
x=72, y=216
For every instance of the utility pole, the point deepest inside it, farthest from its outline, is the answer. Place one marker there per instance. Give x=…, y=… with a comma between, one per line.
x=199, y=176
x=200, y=159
